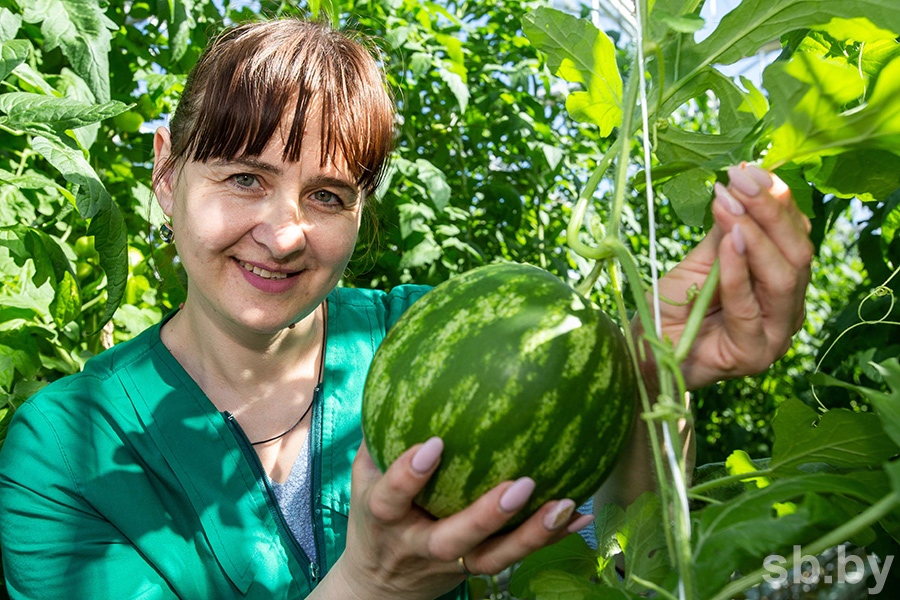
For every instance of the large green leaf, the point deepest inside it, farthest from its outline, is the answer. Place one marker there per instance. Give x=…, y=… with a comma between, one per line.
x=571, y=555
x=840, y=438
x=808, y=96
x=9, y=24
x=737, y=534
x=82, y=30
x=886, y=404
x=92, y=196
x=560, y=585
x=60, y=113
x=12, y=54
x=580, y=53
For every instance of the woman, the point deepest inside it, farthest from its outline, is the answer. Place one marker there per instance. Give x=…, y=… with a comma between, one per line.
x=212, y=456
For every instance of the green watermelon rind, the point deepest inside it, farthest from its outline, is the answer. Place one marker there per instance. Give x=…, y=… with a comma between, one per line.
x=455, y=361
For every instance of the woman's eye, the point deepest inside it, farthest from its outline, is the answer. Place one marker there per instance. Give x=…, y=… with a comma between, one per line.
x=244, y=180
x=327, y=198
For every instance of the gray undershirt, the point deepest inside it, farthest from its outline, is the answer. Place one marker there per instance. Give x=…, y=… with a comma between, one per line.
x=294, y=498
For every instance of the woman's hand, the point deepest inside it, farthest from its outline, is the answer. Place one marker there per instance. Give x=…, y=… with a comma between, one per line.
x=761, y=240
x=395, y=550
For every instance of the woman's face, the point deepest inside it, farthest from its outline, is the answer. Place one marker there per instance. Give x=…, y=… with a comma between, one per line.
x=263, y=241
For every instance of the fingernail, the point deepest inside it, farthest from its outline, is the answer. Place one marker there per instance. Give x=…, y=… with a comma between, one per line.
x=428, y=455
x=731, y=203
x=737, y=239
x=560, y=514
x=517, y=494
x=580, y=523
x=743, y=182
x=761, y=176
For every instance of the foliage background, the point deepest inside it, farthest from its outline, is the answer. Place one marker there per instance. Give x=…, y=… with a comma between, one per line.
x=487, y=167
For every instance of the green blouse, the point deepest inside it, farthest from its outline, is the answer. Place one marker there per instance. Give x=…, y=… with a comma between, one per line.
x=124, y=481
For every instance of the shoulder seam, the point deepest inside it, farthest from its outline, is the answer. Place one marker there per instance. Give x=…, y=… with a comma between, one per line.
x=59, y=445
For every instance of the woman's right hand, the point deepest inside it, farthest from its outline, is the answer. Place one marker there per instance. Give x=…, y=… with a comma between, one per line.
x=395, y=550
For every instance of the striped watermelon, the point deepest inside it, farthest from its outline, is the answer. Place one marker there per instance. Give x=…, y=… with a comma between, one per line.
x=517, y=373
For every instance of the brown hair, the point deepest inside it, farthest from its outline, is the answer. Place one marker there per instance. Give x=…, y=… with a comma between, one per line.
x=236, y=96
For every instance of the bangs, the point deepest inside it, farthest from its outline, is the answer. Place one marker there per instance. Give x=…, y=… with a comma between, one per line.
x=254, y=76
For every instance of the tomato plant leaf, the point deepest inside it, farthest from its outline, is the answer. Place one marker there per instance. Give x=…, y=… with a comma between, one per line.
x=839, y=437
x=9, y=24
x=580, y=53
x=12, y=54
x=92, y=196
x=110, y=240
x=60, y=113
x=82, y=31
x=572, y=555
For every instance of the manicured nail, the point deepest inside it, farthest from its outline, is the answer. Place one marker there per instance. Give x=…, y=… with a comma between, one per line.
x=761, y=176
x=427, y=456
x=560, y=514
x=732, y=204
x=737, y=239
x=580, y=523
x=743, y=182
x=517, y=494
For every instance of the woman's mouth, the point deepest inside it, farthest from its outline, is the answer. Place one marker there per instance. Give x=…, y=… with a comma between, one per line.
x=263, y=272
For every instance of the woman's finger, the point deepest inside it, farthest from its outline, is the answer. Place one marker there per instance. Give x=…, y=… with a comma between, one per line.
x=391, y=496
x=779, y=218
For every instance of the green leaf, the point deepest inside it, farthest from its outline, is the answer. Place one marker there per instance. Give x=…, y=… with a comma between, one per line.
x=82, y=30
x=859, y=29
x=886, y=404
x=30, y=180
x=12, y=54
x=436, y=183
x=110, y=240
x=868, y=174
x=559, y=585
x=690, y=196
x=180, y=24
x=571, y=555
x=808, y=95
x=456, y=84
x=60, y=113
x=580, y=53
x=9, y=25
x=92, y=196
x=66, y=303
x=642, y=541
x=737, y=534
x=840, y=438
x=423, y=253
x=680, y=23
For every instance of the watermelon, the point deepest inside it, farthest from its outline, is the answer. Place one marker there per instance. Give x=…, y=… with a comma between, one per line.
x=520, y=376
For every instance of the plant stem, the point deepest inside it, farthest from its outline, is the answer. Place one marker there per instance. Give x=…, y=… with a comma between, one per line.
x=832, y=538
x=710, y=485
x=698, y=311
x=652, y=586
x=587, y=193
x=628, y=102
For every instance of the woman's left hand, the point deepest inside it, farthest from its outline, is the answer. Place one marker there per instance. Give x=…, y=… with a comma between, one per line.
x=762, y=242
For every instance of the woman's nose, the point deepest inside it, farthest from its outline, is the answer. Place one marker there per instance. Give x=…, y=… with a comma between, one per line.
x=284, y=232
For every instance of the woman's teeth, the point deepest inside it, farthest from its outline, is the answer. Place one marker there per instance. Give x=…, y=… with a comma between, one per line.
x=262, y=272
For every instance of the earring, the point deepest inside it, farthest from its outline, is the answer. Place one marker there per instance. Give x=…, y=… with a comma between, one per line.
x=166, y=233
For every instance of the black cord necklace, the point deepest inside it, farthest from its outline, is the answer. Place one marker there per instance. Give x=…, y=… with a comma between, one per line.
x=316, y=390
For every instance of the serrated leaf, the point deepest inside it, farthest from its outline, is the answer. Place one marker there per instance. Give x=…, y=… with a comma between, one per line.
x=12, y=54
x=840, y=438
x=867, y=174
x=92, y=196
x=580, y=53
x=59, y=113
x=689, y=195
x=642, y=540
x=82, y=30
x=571, y=555
x=110, y=240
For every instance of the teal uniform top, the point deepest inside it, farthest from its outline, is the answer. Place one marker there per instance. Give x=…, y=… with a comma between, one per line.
x=124, y=481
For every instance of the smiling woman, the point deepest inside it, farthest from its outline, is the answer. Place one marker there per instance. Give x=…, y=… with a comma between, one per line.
x=212, y=455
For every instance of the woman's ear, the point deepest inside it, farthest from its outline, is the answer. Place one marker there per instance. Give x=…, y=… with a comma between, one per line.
x=163, y=173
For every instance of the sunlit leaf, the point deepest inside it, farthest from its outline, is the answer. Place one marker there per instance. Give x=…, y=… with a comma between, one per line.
x=12, y=54
x=60, y=113
x=571, y=555
x=92, y=196
x=580, y=53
